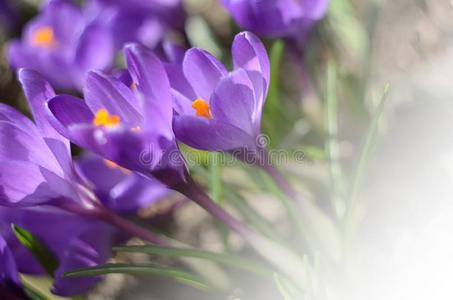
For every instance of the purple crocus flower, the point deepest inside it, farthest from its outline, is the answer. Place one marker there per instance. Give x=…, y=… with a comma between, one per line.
x=118, y=188
x=63, y=43
x=77, y=242
x=216, y=109
x=277, y=18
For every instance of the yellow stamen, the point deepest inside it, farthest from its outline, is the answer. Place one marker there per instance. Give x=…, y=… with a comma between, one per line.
x=103, y=118
x=136, y=129
x=133, y=86
x=113, y=165
x=202, y=108
x=44, y=37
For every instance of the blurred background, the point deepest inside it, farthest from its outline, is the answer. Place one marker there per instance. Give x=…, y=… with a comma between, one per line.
x=403, y=245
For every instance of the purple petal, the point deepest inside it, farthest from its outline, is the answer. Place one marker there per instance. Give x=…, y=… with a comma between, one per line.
x=24, y=183
x=91, y=248
x=25, y=146
x=38, y=91
x=95, y=48
x=9, y=114
x=210, y=135
x=149, y=73
x=117, y=190
x=8, y=268
x=233, y=101
x=104, y=92
x=65, y=110
x=250, y=54
x=203, y=71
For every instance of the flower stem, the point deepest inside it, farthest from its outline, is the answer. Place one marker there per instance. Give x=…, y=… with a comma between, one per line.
x=196, y=193
x=100, y=212
x=130, y=227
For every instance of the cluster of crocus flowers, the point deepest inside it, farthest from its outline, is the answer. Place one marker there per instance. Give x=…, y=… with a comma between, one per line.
x=277, y=18
x=43, y=191
x=132, y=123
x=66, y=40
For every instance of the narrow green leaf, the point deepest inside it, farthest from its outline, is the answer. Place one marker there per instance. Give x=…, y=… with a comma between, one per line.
x=332, y=144
x=226, y=259
x=141, y=270
x=33, y=293
x=364, y=155
x=274, y=118
x=40, y=251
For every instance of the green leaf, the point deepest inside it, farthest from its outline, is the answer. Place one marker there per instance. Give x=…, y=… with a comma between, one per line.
x=33, y=293
x=332, y=144
x=141, y=270
x=226, y=259
x=364, y=155
x=39, y=250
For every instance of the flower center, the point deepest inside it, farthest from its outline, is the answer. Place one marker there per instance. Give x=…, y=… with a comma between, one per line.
x=202, y=108
x=44, y=37
x=113, y=165
x=103, y=118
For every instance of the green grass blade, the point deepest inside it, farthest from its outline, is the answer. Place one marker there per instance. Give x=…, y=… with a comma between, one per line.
x=40, y=251
x=141, y=270
x=226, y=259
x=332, y=144
x=365, y=152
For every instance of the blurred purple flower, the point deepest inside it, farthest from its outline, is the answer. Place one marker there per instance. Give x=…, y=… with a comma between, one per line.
x=63, y=43
x=147, y=22
x=119, y=189
x=216, y=109
x=131, y=128
x=277, y=18
x=77, y=243
x=9, y=17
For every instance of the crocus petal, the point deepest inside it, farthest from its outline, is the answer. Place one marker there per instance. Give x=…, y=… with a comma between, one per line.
x=8, y=268
x=95, y=49
x=65, y=110
x=210, y=135
x=149, y=73
x=105, y=92
x=203, y=71
x=24, y=183
x=250, y=54
x=183, y=94
x=118, y=189
x=233, y=101
x=91, y=248
x=38, y=91
x=9, y=114
x=136, y=192
x=24, y=146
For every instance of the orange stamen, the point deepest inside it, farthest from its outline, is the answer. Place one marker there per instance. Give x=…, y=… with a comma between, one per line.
x=44, y=37
x=113, y=165
x=103, y=118
x=202, y=108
